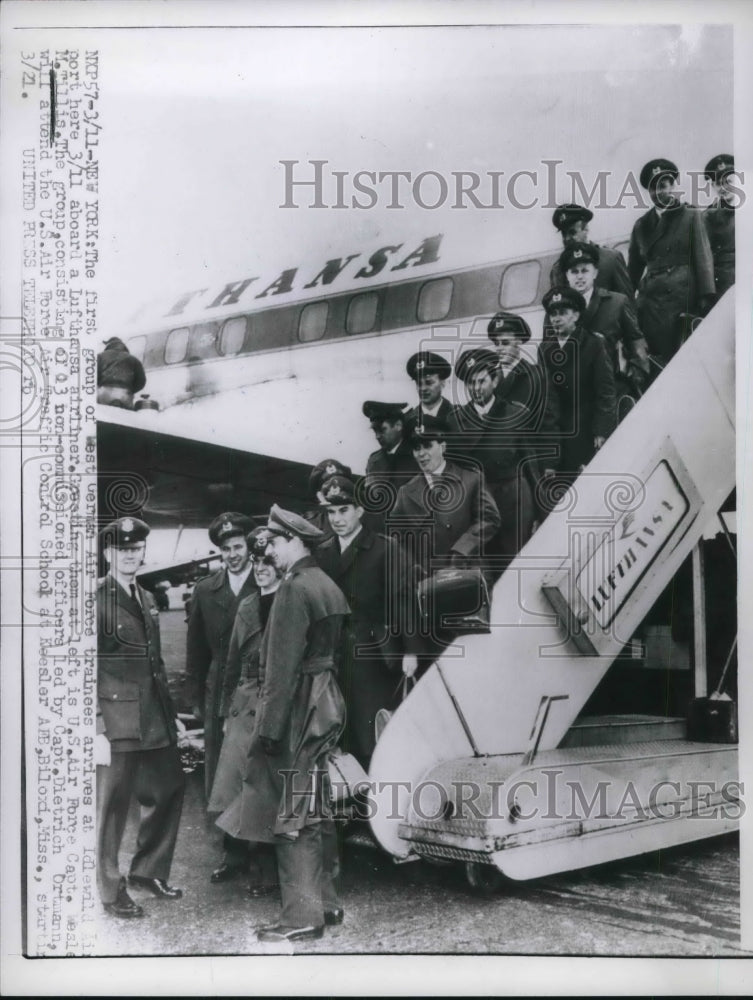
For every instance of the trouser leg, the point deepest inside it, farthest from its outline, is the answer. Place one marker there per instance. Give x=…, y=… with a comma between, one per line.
x=299, y=863
x=114, y=788
x=262, y=865
x=159, y=788
x=235, y=852
x=330, y=866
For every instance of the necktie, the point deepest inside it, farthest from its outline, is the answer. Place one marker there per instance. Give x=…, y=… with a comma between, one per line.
x=135, y=596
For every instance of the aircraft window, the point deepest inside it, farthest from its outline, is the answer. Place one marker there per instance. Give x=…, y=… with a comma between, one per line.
x=176, y=345
x=362, y=313
x=232, y=336
x=313, y=321
x=520, y=282
x=202, y=345
x=623, y=249
x=137, y=346
x=434, y=300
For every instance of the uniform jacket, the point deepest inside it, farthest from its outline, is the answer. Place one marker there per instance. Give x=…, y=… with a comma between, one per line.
x=612, y=273
x=613, y=316
x=116, y=366
x=584, y=382
x=494, y=442
x=720, y=226
x=367, y=572
x=462, y=512
x=526, y=383
x=300, y=704
x=135, y=710
x=210, y=624
x=443, y=413
x=671, y=257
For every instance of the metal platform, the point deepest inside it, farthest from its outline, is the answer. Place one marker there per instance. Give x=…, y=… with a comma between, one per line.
x=599, y=730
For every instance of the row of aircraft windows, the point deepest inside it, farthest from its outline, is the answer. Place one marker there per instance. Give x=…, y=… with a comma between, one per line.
x=518, y=289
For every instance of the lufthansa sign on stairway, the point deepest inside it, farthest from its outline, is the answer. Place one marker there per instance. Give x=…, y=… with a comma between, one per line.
x=627, y=553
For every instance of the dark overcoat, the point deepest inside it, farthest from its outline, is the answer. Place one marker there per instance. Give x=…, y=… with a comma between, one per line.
x=210, y=624
x=494, y=443
x=458, y=510
x=613, y=316
x=300, y=705
x=442, y=414
x=526, y=383
x=373, y=579
x=720, y=225
x=671, y=265
x=583, y=379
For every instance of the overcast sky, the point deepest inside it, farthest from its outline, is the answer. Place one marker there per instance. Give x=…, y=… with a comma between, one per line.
x=198, y=122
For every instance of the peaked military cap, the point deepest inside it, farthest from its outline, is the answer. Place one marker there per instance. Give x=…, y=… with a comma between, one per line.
x=507, y=322
x=376, y=412
x=718, y=167
x=289, y=524
x=480, y=359
x=257, y=540
x=339, y=490
x=655, y=169
x=428, y=428
x=566, y=215
x=428, y=363
x=580, y=253
x=228, y=525
x=561, y=296
x=124, y=531
x=326, y=468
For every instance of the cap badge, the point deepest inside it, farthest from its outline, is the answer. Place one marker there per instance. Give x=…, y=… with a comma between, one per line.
x=656, y=171
x=577, y=254
x=420, y=364
x=226, y=526
x=722, y=165
x=556, y=297
x=331, y=470
x=127, y=524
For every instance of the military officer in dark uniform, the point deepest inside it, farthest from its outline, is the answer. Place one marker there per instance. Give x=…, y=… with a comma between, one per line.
x=119, y=375
x=300, y=716
x=521, y=381
x=720, y=220
x=323, y=470
x=670, y=262
x=393, y=464
x=489, y=434
x=214, y=605
x=608, y=313
x=429, y=371
x=136, y=744
x=583, y=378
x=572, y=222
x=365, y=566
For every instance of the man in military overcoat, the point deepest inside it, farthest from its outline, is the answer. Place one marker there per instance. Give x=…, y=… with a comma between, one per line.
x=213, y=608
x=720, y=220
x=670, y=263
x=300, y=716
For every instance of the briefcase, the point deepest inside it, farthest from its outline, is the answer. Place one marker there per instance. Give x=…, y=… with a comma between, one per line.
x=454, y=600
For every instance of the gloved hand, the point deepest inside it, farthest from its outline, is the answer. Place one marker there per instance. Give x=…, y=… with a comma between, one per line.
x=272, y=748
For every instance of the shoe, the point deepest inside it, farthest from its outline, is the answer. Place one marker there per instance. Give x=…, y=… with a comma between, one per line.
x=157, y=887
x=123, y=905
x=334, y=917
x=225, y=873
x=280, y=932
x=257, y=890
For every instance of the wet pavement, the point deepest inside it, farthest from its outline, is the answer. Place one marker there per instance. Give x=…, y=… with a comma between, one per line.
x=679, y=902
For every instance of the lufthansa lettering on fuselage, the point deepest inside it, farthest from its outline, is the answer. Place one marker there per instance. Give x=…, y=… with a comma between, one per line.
x=615, y=568
x=289, y=280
